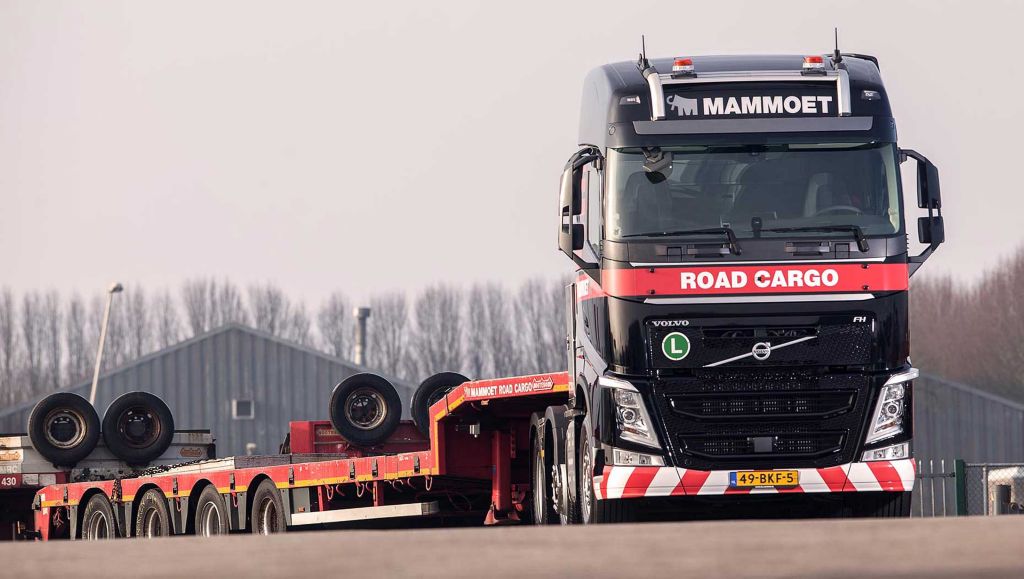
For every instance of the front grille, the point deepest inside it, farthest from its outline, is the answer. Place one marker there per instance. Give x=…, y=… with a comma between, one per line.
x=791, y=445
x=747, y=419
x=775, y=405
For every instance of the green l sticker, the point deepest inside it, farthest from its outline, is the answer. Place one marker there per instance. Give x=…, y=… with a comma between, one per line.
x=675, y=346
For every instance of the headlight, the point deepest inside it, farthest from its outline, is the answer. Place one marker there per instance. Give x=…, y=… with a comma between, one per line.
x=887, y=420
x=632, y=422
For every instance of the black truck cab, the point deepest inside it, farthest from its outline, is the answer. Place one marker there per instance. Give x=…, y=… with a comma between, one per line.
x=738, y=230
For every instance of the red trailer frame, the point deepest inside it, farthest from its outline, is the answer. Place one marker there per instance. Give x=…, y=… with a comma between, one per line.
x=472, y=465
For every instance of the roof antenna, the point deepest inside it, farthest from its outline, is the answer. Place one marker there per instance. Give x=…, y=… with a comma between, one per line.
x=837, y=57
x=641, y=61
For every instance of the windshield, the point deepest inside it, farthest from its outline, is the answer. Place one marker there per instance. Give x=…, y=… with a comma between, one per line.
x=756, y=188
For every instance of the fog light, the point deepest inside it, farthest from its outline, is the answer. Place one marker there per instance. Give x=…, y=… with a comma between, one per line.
x=894, y=452
x=629, y=458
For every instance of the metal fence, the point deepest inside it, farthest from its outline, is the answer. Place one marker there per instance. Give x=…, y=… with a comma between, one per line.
x=955, y=487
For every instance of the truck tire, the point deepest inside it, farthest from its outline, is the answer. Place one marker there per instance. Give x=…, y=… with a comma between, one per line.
x=98, y=521
x=152, y=517
x=543, y=504
x=430, y=391
x=138, y=427
x=592, y=510
x=64, y=428
x=365, y=409
x=211, y=514
x=267, y=510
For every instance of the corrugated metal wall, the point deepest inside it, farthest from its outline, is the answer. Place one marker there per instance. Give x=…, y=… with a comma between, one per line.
x=198, y=380
x=957, y=421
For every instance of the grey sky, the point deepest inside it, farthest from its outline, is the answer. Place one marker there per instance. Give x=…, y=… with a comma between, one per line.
x=387, y=145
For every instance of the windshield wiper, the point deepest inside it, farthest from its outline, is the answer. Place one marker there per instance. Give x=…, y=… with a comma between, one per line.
x=858, y=234
x=726, y=231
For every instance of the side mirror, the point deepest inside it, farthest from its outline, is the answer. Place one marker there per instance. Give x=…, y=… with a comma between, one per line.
x=570, y=235
x=928, y=190
x=931, y=230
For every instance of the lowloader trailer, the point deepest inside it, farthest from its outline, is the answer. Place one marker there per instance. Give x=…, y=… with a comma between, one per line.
x=737, y=338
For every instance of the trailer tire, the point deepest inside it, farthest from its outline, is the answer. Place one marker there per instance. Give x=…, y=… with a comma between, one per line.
x=152, y=517
x=64, y=428
x=98, y=522
x=543, y=504
x=267, y=515
x=430, y=391
x=138, y=427
x=211, y=514
x=365, y=409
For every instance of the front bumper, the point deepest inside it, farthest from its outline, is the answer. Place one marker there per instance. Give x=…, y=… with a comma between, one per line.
x=628, y=482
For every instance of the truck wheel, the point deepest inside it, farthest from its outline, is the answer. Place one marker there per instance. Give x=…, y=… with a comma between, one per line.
x=152, y=517
x=267, y=510
x=430, y=391
x=211, y=513
x=591, y=509
x=64, y=428
x=365, y=409
x=98, y=521
x=138, y=427
x=543, y=504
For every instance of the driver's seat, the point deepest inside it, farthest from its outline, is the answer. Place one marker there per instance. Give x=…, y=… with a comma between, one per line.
x=824, y=191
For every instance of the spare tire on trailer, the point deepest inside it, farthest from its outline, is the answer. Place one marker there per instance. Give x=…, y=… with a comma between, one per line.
x=138, y=427
x=365, y=409
x=64, y=428
x=430, y=391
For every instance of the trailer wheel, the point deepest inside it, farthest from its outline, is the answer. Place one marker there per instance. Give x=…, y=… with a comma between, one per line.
x=138, y=427
x=267, y=510
x=64, y=428
x=98, y=521
x=211, y=513
x=365, y=409
x=543, y=504
x=152, y=518
x=591, y=509
x=430, y=391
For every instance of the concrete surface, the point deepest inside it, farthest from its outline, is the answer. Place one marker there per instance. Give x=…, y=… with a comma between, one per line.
x=964, y=547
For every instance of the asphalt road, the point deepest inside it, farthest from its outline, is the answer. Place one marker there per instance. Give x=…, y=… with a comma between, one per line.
x=965, y=547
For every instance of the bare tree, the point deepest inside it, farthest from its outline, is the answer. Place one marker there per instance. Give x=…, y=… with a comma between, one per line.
x=138, y=320
x=386, y=334
x=437, y=338
x=333, y=325
x=477, y=362
x=52, y=346
x=167, y=325
x=32, y=340
x=530, y=310
x=298, y=326
x=269, y=308
x=78, y=354
x=9, y=353
x=210, y=304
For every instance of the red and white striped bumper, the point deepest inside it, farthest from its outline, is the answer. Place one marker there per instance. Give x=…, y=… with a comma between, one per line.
x=628, y=482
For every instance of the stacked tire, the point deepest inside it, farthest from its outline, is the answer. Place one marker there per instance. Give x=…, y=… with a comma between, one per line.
x=365, y=409
x=65, y=428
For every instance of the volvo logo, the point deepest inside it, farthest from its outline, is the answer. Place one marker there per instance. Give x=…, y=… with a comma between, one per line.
x=761, y=351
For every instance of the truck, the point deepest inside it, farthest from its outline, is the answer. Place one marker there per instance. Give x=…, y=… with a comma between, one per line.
x=737, y=338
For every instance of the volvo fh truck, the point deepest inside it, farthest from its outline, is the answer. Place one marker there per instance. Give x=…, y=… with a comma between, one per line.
x=738, y=320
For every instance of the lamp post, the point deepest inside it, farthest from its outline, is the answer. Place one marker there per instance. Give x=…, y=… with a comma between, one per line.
x=114, y=289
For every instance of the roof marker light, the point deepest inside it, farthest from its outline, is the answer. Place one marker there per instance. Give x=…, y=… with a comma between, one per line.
x=682, y=67
x=813, y=65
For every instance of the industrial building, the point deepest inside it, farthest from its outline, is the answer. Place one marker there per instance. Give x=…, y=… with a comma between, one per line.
x=242, y=384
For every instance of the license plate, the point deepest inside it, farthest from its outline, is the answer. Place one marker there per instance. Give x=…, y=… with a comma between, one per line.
x=764, y=478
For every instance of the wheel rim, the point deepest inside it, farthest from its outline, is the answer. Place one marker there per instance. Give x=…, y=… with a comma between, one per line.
x=267, y=517
x=151, y=524
x=97, y=526
x=64, y=428
x=365, y=408
x=539, y=498
x=209, y=519
x=139, y=427
x=586, y=479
